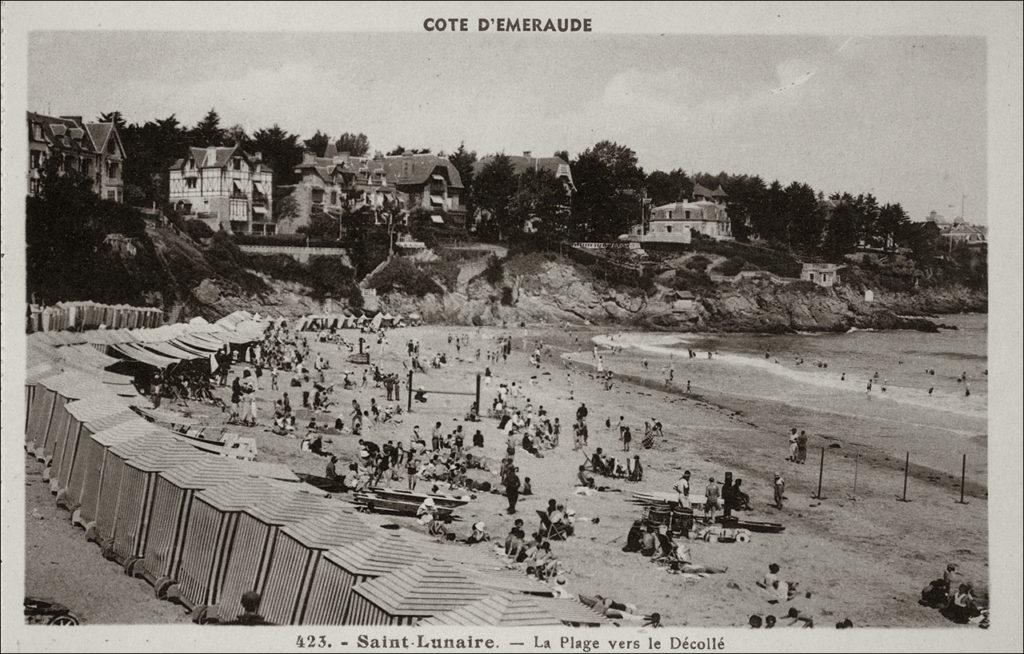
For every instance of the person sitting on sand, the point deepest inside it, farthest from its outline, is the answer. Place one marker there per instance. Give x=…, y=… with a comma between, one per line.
x=598, y=464
x=778, y=590
x=741, y=501
x=634, y=539
x=649, y=542
x=583, y=478
x=516, y=540
x=478, y=534
x=637, y=472
x=442, y=529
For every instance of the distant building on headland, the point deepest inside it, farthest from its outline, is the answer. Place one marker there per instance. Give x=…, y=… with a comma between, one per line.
x=92, y=149
x=958, y=231
x=226, y=187
x=822, y=274
x=677, y=222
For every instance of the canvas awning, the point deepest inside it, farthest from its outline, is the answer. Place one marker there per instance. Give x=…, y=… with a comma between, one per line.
x=437, y=177
x=437, y=200
x=259, y=210
x=259, y=187
x=142, y=355
x=237, y=187
x=437, y=219
x=168, y=350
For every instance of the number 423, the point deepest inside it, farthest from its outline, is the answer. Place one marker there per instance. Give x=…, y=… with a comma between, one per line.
x=312, y=641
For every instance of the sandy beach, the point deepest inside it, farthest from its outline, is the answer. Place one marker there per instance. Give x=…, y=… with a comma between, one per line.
x=888, y=550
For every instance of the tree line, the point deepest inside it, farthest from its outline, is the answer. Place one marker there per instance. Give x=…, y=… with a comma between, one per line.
x=612, y=191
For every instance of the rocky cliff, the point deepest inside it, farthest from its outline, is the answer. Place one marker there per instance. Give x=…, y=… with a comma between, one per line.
x=537, y=289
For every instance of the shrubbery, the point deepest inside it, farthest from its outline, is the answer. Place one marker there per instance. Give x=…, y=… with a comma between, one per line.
x=197, y=229
x=730, y=266
x=402, y=276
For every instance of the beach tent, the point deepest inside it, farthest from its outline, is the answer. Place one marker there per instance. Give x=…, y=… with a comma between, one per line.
x=87, y=477
x=101, y=410
x=210, y=538
x=39, y=403
x=413, y=593
x=255, y=536
x=503, y=610
x=136, y=352
x=173, y=493
x=342, y=568
x=297, y=553
x=135, y=499
x=108, y=495
x=571, y=612
x=376, y=322
x=66, y=387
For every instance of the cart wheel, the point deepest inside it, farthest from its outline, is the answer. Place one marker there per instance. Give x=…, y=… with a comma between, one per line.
x=64, y=620
x=161, y=586
x=202, y=616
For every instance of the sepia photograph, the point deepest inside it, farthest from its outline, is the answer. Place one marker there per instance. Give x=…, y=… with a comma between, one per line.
x=517, y=326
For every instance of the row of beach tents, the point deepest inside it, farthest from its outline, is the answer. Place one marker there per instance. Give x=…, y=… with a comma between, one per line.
x=86, y=314
x=204, y=529
x=346, y=320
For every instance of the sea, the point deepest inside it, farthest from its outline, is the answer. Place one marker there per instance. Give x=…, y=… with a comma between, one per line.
x=928, y=391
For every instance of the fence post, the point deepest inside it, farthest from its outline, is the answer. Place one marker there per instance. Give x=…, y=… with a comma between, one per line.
x=821, y=473
x=963, y=479
x=408, y=395
x=478, y=393
x=856, y=467
x=906, y=474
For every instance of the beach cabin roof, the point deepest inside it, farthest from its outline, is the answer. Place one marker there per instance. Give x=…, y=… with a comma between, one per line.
x=424, y=589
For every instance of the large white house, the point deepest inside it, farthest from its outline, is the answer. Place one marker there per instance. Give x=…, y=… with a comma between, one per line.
x=225, y=187
x=677, y=222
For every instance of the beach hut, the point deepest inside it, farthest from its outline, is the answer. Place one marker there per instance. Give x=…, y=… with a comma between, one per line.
x=54, y=397
x=88, y=415
x=132, y=523
x=571, y=612
x=342, y=568
x=73, y=388
x=413, y=593
x=504, y=610
x=38, y=402
x=298, y=551
x=376, y=322
x=87, y=477
x=112, y=472
x=255, y=536
x=210, y=538
x=174, y=491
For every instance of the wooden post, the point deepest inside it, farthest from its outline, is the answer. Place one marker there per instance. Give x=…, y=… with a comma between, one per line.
x=906, y=474
x=360, y=345
x=408, y=396
x=963, y=479
x=478, y=393
x=821, y=473
x=856, y=466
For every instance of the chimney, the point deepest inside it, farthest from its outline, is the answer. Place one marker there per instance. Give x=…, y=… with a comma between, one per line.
x=257, y=157
x=308, y=157
x=211, y=154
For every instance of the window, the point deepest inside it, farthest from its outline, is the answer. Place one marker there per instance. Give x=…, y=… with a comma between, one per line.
x=111, y=146
x=112, y=169
x=237, y=163
x=668, y=228
x=190, y=182
x=112, y=195
x=35, y=159
x=687, y=214
x=37, y=131
x=317, y=195
x=334, y=197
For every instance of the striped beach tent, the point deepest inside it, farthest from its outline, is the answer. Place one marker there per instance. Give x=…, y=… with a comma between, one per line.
x=88, y=415
x=210, y=538
x=133, y=523
x=174, y=492
x=87, y=477
x=298, y=551
x=67, y=387
x=108, y=495
x=413, y=593
x=256, y=535
x=503, y=610
x=342, y=568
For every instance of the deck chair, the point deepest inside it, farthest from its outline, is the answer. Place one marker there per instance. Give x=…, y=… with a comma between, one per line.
x=550, y=530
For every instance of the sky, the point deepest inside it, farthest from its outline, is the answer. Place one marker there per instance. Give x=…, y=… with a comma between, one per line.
x=903, y=118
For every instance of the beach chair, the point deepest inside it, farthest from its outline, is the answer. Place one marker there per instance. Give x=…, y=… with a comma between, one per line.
x=551, y=530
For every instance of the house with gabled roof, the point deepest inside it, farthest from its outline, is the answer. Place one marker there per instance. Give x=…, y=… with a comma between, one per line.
x=226, y=187
x=94, y=150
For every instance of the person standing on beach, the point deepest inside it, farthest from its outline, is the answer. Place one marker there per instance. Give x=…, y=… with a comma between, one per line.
x=682, y=488
x=512, y=490
x=792, y=445
x=779, y=486
x=801, y=447
x=711, y=494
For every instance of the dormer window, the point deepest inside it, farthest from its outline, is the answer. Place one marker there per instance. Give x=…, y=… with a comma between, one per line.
x=37, y=131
